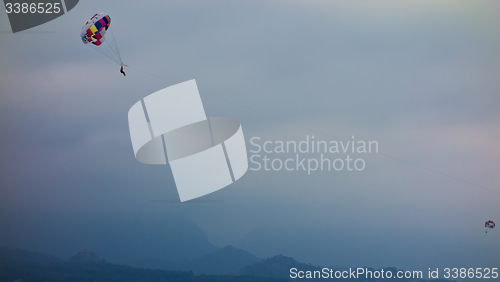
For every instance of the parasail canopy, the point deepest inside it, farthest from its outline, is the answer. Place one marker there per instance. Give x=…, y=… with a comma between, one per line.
x=96, y=32
x=489, y=224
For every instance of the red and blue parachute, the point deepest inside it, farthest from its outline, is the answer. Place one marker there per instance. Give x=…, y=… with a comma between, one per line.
x=96, y=31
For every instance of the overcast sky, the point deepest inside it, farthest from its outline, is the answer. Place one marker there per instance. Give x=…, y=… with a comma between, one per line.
x=419, y=77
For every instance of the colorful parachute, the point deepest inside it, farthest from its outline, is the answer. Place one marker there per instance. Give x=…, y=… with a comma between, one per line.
x=96, y=31
x=489, y=224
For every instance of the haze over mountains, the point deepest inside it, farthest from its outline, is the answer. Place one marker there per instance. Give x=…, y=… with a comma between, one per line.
x=177, y=248
x=119, y=238
x=226, y=264
x=22, y=265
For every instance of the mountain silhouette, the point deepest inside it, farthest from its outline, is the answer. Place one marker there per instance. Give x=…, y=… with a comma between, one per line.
x=21, y=265
x=86, y=256
x=277, y=266
x=16, y=264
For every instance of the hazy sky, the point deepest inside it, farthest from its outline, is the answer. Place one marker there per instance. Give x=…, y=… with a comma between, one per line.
x=419, y=77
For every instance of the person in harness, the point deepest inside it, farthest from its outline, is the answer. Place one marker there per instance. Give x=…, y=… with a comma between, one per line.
x=121, y=70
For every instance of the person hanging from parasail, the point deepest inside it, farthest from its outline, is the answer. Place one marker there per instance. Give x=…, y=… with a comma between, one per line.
x=96, y=32
x=489, y=224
